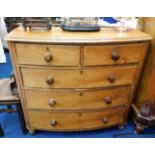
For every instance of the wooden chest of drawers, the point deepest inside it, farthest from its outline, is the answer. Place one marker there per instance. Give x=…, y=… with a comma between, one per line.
x=77, y=81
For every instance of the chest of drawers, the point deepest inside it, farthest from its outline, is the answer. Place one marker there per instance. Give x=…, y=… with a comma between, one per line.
x=77, y=81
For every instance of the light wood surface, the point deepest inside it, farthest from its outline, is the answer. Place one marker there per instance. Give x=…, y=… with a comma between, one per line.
x=78, y=74
x=144, y=101
x=61, y=55
x=76, y=100
x=146, y=89
x=56, y=35
x=69, y=78
x=76, y=120
x=19, y=82
x=102, y=55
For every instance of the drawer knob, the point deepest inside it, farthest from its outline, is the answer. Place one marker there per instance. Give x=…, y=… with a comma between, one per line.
x=105, y=120
x=115, y=56
x=49, y=80
x=112, y=78
x=108, y=100
x=53, y=122
x=47, y=57
x=51, y=102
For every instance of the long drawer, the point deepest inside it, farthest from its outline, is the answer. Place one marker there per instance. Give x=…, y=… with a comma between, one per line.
x=113, y=54
x=76, y=78
x=49, y=55
x=76, y=120
x=76, y=100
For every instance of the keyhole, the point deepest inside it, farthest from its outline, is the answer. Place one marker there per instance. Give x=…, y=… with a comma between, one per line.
x=80, y=94
x=80, y=114
x=47, y=48
x=81, y=72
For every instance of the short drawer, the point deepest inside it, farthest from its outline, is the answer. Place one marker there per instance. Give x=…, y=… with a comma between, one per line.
x=49, y=55
x=77, y=100
x=69, y=78
x=112, y=54
x=76, y=120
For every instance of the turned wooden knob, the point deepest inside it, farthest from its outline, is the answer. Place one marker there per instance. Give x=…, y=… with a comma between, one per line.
x=49, y=80
x=47, y=57
x=115, y=56
x=51, y=102
x=111, y=78
x=108, y=100
x=53, y=122
x=105, y=120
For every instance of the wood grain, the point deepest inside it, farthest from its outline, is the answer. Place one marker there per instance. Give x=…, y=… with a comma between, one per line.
x=146, y=89
x=68, y=78
x=76, y=120
x=76, y=100
x=143, y=107
x=19, y=82
x=102, y=55
x=61, y=55
x=77, y=71
x=56, y=35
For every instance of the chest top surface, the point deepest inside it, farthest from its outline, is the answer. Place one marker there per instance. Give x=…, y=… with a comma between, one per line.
x=56, y=35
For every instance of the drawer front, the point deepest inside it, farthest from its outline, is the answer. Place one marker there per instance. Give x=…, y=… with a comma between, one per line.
x=76, y=100
x=76, y=120
x=51, y=55
x=86, y=78
x=112, y=54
